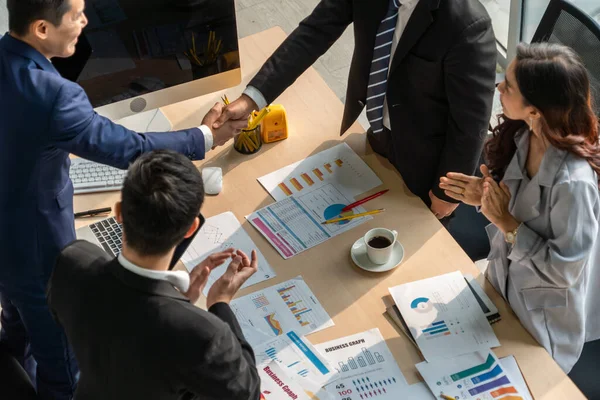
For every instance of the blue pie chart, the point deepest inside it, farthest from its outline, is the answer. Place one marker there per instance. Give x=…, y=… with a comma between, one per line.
x=421, y=305
x=334, y=211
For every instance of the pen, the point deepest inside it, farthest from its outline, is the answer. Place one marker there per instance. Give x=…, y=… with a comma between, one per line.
x=363, y=201
x=225, y=100
x=90, y=213
x=332, y=221
x=443, y=396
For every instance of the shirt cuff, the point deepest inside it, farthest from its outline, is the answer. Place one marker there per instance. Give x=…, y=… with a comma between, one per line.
x=257, y=96
x=208, y=137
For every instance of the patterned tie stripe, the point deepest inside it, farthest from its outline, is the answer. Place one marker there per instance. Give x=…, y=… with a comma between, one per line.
x=379, y=67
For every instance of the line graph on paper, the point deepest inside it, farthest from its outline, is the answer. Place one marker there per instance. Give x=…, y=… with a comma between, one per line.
x=219, y=233
x=216, y=236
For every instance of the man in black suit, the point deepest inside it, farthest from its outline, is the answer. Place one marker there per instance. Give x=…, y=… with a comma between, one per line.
x=425, y=70
x=132, y=322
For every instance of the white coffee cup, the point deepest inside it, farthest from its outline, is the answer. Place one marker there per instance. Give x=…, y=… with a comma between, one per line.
x=380, y=255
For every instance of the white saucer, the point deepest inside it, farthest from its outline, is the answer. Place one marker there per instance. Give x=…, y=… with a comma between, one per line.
x=360, y=258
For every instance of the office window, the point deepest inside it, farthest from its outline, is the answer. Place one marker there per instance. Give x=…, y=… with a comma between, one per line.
x=499, y=10
x=534, y=9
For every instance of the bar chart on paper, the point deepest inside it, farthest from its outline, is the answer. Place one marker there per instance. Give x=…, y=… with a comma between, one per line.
x=289, y=306
x=478, y=376
x=365, y=366
x=339, y=165
x=363, y=360
x=299, y=305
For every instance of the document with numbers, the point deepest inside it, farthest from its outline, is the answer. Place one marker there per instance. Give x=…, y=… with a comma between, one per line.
x=294, y=224
x=365, y=367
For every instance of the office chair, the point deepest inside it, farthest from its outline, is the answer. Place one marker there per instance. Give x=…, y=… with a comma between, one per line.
x=565, y=23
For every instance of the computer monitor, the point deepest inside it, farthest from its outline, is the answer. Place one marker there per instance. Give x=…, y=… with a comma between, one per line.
x=138, y=55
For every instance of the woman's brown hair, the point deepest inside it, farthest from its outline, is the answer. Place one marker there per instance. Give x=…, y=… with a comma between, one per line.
x=553, y=79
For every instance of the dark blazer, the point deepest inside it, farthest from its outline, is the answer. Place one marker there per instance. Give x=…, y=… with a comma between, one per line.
x=139, y=338
x=440, y=86
x=43, y=118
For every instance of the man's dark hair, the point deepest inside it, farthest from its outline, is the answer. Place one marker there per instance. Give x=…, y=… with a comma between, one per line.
x=21, y=13
x=161, y=196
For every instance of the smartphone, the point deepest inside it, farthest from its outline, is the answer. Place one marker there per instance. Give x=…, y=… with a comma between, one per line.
x=182, y=247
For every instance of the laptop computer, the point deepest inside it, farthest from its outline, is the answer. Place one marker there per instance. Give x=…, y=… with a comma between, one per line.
x=107, y=234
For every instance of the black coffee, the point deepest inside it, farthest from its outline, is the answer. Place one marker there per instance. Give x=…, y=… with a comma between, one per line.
x=379, y=242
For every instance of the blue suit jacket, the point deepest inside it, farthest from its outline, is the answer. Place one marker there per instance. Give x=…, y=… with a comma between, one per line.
x=43, y=118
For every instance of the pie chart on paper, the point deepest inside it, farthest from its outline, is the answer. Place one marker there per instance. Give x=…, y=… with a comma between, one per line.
x=335, y=211
x=421, y=305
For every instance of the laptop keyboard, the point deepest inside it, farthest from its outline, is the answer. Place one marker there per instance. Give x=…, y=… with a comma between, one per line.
x=108, y=232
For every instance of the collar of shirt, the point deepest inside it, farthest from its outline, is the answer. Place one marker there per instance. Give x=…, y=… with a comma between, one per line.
x=408, y=3
x=179, y=279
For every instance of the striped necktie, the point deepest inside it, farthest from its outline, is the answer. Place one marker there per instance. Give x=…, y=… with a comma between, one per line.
x=379, y=67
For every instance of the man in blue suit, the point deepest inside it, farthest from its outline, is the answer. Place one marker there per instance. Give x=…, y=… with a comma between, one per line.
x=43, y=118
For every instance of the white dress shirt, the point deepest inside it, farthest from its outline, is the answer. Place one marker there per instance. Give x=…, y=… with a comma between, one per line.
x=208, y=137
x=404, y=13
x=179, y=279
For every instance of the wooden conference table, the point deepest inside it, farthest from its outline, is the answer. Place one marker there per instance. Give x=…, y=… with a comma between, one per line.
x=355, y=299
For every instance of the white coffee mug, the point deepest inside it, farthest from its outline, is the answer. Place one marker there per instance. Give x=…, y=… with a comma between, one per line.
x=380, y=255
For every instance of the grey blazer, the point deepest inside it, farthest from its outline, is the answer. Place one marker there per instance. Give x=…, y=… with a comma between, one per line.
x=551, y=276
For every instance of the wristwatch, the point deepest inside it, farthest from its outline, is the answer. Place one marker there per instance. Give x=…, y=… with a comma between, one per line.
x=511, y=237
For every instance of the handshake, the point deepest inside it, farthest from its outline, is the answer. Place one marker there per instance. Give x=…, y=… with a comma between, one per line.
x=227, y=121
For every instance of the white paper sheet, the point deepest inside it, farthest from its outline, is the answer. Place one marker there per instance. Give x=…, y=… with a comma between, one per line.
x=476, y=376
x=365, y=367
x=293, y=225
x=254, y=337
x=220, y=233
x=288, y=306
x=514, y=372
x=296, y=356
x=339, y=165
x=444, y=317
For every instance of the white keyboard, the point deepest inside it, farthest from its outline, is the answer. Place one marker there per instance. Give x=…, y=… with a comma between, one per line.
x=88, y=176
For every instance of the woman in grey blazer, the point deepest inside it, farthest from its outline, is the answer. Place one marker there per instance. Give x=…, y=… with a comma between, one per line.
x=545, y=211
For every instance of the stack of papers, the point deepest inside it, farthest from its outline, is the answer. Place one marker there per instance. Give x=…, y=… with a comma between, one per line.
x=360, y=366
x=274, y=322
x=310, y=192
x=448, y=323
x=444, y=317
x=488, y=308
x=448, y=318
